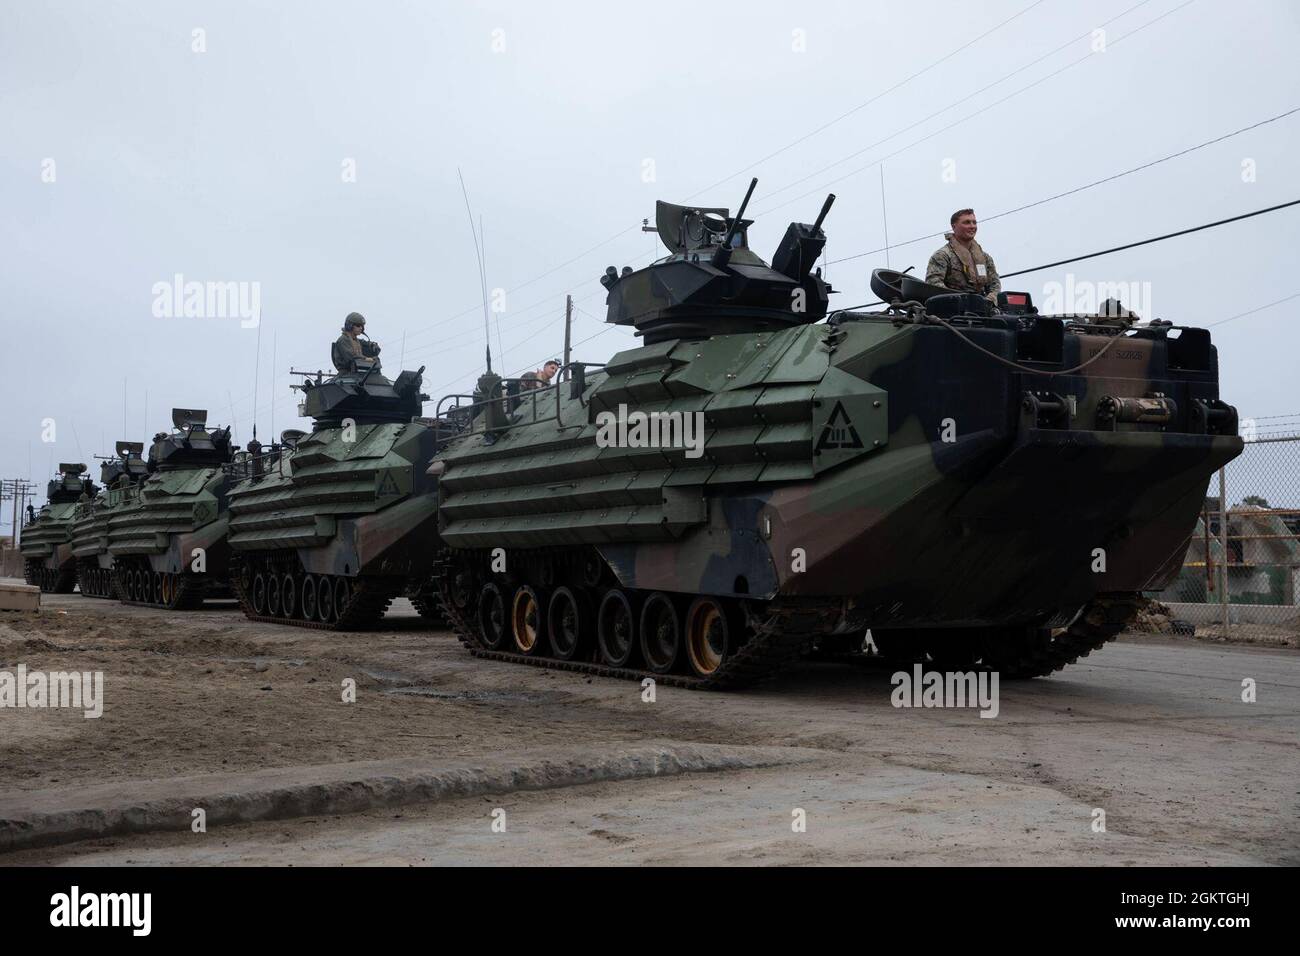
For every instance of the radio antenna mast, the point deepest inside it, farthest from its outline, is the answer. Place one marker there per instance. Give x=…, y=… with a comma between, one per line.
x=257, y=370
x=482, y=280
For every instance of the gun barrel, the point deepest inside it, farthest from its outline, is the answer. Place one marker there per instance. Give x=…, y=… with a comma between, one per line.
x=723, y=254
x=740, y=214
x=826, y=207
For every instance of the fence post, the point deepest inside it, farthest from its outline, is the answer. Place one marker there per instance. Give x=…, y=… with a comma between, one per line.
x=1223, y=546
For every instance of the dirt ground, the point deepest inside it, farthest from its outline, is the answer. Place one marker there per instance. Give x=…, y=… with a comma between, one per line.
x=1152, y=730
x=201, y=691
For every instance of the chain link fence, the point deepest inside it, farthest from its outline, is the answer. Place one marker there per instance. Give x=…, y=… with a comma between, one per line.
x=1240, y=580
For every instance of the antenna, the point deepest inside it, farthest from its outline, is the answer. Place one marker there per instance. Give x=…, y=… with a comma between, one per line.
x=257, y=367
x=482, y=238
x=274, y=339
x=478, y=253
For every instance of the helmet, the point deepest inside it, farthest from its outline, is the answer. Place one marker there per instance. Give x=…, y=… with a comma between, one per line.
x=354, y=318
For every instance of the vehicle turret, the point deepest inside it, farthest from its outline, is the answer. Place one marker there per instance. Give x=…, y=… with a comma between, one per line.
x=712, y=283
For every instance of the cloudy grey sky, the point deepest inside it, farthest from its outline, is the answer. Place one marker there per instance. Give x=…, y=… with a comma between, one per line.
x=313, y=147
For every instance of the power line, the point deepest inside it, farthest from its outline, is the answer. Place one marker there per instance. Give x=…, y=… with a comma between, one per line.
x=842, y=116
x=438, y=324
x=783, y=149
x=901, y=83
x=1242, y=315
x=433, y=326
x=1091, y=255
x=1079, y=189
x=969, y=96
x=1133, y=245
x=1081, y=258
x=1146, y=242
x=968, y=118
x=932, y=135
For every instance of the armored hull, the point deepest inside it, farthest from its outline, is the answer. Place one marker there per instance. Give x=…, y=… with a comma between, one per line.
x=167, y=537
x=90, y=521
x=89, y=541
x=48, y=560
x=329, y=529
x=972, y=483
x=46, y=546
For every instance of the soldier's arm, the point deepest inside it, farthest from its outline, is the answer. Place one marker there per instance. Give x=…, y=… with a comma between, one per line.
x=937, y=270
x=995, y=283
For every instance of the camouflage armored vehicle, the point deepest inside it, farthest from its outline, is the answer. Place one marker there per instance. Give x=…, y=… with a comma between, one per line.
x=46, y=544
x=167, y=537
x=328, y=529
x=90, y=520
x=975, y=483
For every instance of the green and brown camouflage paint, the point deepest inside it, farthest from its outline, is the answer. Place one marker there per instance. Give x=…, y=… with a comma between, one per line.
x=358, y=505
x=90, y=522
x=180, y=510
x=824, y=453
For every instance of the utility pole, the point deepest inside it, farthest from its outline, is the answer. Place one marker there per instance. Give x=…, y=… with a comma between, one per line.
x=9, y=489
x=568, y=324
x=16, y=489
x=20, y=499
x=5, y=496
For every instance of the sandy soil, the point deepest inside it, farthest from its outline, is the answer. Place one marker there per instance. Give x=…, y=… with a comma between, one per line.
x=1151, y=729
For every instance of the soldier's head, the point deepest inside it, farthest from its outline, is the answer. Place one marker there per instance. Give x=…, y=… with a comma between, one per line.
x=547, y=371
x=355, y=323
x=963, y=224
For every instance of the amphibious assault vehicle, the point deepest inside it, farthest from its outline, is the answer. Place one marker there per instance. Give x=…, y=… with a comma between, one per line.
x=973, y=482
x=46, y=544
x=167, y=536
x=332, y=526
x=90, y=520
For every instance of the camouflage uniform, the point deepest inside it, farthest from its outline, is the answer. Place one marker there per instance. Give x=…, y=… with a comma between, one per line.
x=345, y=350
x=956, y=267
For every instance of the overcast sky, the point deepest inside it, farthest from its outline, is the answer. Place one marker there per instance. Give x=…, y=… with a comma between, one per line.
x=310, y=151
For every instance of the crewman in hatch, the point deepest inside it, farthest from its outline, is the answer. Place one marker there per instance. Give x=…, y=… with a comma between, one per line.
x=962, y=265
x=350, y=347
